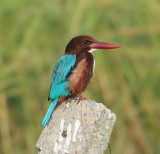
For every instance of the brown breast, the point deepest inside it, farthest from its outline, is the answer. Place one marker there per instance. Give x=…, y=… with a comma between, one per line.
x=81, y=74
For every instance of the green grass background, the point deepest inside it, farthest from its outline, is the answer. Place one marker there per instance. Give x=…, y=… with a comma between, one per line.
x=33, y=35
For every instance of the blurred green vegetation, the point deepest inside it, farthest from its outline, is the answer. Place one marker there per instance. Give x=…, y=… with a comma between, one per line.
x=33, y=35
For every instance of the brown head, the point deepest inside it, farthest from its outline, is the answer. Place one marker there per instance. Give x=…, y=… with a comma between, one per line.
x=86, y=43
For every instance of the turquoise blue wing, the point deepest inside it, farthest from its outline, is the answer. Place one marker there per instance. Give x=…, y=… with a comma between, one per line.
x=59, y=76
x=59, y=83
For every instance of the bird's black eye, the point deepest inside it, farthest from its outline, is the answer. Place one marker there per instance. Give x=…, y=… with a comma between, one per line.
x=86, y=42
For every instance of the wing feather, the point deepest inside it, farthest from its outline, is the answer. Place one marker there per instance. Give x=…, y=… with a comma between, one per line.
x=59, y=76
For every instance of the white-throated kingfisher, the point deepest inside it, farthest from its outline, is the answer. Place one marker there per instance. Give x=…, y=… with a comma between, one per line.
x=72, y=73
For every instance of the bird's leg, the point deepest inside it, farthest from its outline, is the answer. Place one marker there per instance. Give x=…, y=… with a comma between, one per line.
x=80, y=98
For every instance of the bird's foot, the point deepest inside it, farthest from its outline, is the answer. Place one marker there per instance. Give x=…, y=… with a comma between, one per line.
x=80, y=98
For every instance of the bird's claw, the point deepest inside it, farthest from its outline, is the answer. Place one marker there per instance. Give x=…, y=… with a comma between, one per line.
x=80, y=98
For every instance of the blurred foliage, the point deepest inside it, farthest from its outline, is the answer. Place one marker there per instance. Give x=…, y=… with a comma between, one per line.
x=33, y=35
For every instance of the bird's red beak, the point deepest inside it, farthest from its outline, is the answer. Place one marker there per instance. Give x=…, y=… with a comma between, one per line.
x=101, y=45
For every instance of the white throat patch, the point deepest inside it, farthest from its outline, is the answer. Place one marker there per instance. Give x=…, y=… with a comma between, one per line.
x=93, y=58
x=92, y=50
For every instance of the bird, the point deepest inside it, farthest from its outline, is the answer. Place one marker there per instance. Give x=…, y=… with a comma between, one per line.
x=72, y=73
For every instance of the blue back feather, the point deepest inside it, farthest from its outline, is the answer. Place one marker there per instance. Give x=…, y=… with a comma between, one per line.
x=60, y=72
x=59, y=83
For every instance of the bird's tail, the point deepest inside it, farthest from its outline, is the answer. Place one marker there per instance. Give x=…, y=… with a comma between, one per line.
x=49, y=112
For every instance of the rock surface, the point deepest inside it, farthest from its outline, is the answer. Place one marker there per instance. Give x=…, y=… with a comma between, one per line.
x=77, y=128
